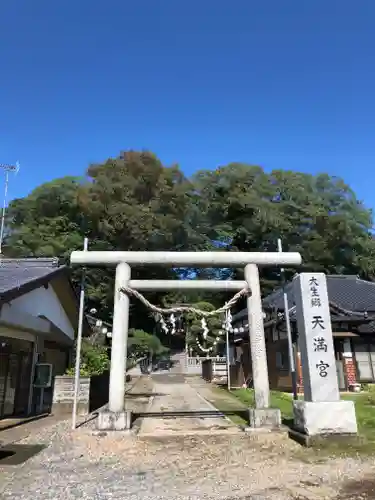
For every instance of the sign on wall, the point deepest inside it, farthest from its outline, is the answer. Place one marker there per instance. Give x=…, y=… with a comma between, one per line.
x=315, y=337
x=43, y=375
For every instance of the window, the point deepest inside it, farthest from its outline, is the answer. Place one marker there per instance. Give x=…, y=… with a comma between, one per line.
x=365, y=359
x=275, y=334
x=282, y=360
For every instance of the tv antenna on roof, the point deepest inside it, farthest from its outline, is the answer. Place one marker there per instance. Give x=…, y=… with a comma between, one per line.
x=7, y=168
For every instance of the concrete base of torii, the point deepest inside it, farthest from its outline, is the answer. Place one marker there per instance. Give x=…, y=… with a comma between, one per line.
x=121, y=421
x=264, y=417
x=114, y=421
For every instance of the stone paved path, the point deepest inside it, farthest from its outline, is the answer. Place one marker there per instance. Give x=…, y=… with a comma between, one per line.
x=173, y=393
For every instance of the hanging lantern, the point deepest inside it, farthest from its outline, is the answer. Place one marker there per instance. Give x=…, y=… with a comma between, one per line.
x=163, y=325
x=228, y=321
x=204, y=328
x=203, y=349
x=172, y=320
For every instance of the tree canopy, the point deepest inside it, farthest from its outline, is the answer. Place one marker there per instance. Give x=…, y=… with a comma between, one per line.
x=134, y=202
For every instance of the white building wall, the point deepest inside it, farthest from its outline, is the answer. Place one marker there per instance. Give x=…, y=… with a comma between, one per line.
x=44, y=302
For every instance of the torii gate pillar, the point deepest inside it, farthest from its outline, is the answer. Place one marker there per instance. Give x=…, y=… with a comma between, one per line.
x=119, y=340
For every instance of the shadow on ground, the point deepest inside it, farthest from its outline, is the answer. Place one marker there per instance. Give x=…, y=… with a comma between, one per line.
x=191, y=414
x=288, y=422
x=143, y=394
x=363, y=489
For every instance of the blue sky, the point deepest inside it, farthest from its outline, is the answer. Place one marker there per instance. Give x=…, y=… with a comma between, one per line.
x=284, y=84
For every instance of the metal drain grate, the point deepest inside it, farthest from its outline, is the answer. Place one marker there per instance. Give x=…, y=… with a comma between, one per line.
x=16, y=454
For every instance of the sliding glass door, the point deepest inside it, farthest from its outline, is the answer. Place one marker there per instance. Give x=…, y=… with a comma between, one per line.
x=15, y=373
x=365, y=359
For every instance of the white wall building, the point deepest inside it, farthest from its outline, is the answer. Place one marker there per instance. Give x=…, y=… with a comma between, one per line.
x=38, y=320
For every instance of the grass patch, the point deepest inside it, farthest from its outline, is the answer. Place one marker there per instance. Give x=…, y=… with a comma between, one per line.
x=280, y=400
x=235, y=404
x=365, y=412
x=231, y=407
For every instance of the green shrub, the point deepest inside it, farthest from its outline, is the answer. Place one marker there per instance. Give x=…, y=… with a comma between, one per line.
x=94, y=360
x=141, y=343
x=371, y=394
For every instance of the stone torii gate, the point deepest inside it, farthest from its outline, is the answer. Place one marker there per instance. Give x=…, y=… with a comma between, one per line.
x=116, y=417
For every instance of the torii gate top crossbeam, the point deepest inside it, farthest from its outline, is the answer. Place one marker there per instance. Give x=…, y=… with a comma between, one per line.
x=182, y=259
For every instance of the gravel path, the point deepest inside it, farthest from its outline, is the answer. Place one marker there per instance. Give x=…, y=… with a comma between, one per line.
x=124, y=466
x=86, y=464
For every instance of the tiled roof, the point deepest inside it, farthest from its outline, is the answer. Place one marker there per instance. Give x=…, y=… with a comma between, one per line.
x=15, y=274
x=348, y=292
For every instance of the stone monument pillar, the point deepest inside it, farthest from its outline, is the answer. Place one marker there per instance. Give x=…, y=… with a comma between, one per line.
x=321, y=413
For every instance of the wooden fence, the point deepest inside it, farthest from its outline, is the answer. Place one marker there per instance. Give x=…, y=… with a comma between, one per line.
x=212, y=369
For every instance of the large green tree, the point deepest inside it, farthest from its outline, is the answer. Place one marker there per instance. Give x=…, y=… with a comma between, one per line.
x=249, y=209
x=134, y=202
x=48, y=222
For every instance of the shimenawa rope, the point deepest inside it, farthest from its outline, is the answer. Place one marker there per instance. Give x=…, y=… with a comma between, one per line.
x=198, y=312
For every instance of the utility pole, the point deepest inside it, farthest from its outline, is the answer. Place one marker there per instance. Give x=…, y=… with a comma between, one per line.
x=7, y=169
x=79, y=341
x=292, y=365
x=227, y=325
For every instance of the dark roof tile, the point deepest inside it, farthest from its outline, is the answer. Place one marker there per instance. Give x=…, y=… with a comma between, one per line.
x=18, y=273
x=348, y=292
